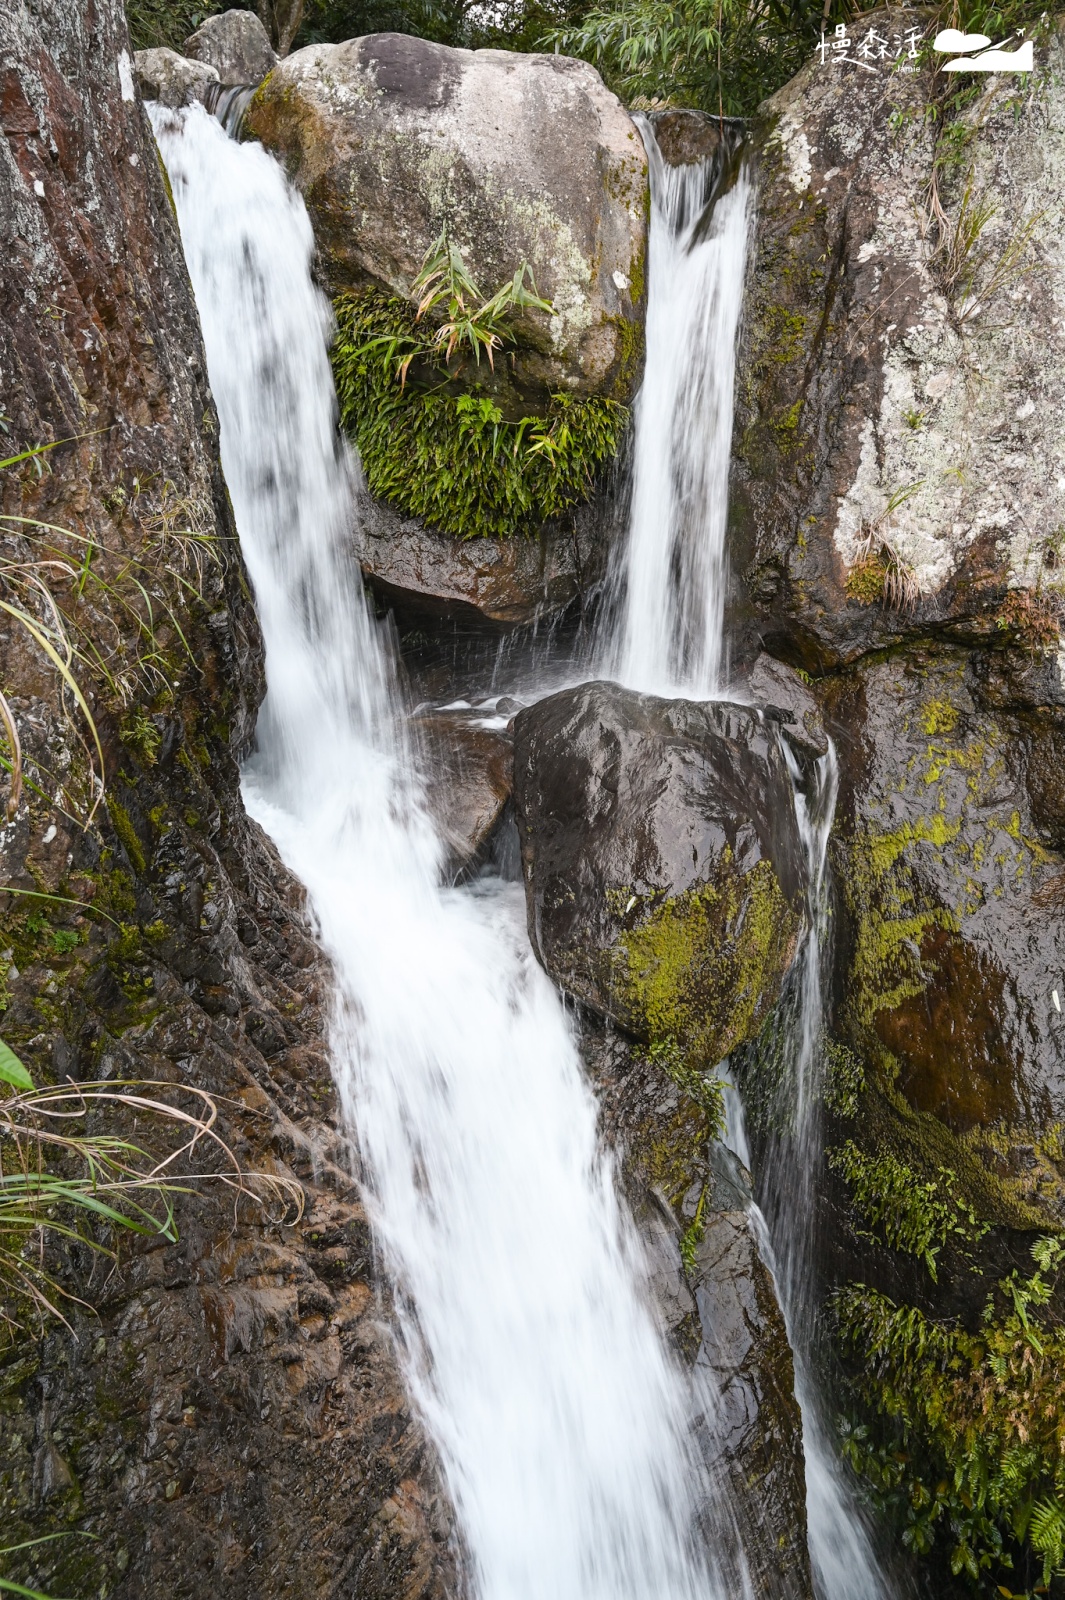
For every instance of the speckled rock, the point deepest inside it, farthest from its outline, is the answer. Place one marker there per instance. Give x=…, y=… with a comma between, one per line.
x=236, y=44
x=662, y=864
x=231, y=1414
x=171, y=79
x=392, y=138
x=899, y=427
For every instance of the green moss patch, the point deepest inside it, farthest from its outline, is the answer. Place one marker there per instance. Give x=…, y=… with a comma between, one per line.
x=704, y=967
x=450, y=457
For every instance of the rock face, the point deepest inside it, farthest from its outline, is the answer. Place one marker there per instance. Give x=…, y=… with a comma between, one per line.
x=662, y=861
x=470, y=770
x=236, y=44
x=165, y=76
x=745, y=1352
x=234, y=1412
x=953, y=937
x=506, y=583
x=721, y=1310
x=899, y=394
x=391, y=139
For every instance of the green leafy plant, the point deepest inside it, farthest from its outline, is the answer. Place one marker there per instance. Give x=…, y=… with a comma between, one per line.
x=909, y=1215
x=452, y=458
x=62, y=1179
x=722, y=56
x=963, y=1436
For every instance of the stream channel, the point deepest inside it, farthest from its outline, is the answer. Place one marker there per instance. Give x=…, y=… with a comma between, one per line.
x=562, y=1420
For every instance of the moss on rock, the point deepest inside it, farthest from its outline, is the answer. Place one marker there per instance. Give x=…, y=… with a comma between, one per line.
x=697, y=970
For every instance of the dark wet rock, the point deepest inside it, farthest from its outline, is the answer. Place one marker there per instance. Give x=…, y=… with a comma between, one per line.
x=779, y=688
x=952, y=934
x=179, y=952
x=236, y=44
x=171, y=79
x=685, y=136
x=390, y=137
x=897, y=454
x=505, y=582
x=469, y=776
x=746, y=1354
x=662, y=863
x=722, y=1315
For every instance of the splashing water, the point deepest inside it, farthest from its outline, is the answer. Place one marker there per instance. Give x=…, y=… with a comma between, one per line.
x=530, y=1350
x=664, y=617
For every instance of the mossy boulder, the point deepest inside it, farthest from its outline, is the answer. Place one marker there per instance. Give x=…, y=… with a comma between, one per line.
x=662, y=861
x=522, y=158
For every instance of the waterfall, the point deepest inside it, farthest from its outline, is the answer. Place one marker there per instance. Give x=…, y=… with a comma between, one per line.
x=529, y=1347
x=664, y=619
x=841, y=1555
x=663, y=632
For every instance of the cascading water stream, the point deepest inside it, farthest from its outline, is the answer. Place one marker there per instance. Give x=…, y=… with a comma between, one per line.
x=663, y=633
x=530, y=1350
x=663, y=630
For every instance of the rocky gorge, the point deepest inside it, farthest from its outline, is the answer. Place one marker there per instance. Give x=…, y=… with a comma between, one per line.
x=249, y=1405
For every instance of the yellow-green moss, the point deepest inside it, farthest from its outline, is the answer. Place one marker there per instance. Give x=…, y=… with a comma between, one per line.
x=123, y=826
x=704, y=966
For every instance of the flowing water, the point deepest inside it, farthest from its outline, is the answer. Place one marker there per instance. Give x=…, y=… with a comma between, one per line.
x=664, y=621
x=529, y=1347
x=664, y=633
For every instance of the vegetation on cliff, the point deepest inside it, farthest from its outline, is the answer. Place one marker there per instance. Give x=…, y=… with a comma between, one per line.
x=447, y=454
x=964, y=1441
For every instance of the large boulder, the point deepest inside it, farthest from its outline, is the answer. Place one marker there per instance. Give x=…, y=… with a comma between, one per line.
x=662, y=861
x=236, y=44
x=171, y=79
x=901, y=374
x=523, y=158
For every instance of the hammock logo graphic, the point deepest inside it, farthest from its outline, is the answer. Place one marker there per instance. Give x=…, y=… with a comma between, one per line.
x=971, y=53
x=903, y=51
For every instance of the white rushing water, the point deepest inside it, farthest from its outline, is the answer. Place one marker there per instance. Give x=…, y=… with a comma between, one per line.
x=663, y=633
x=665, y=619
x=841, y=1554
x=529, y=1346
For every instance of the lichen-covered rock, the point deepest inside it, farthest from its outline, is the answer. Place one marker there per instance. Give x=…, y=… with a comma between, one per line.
x=522, y=158
x=236, y=44
x=952, y=938
x=662, y=862
x=165, y=76
x=900, y=390
x=175, y=949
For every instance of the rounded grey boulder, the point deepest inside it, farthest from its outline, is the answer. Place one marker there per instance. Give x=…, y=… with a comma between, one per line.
x=522, y=158
x=236, y=45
